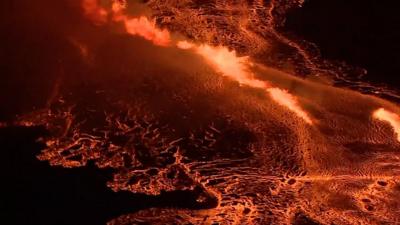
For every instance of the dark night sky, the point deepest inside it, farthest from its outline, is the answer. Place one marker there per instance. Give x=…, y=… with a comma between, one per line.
x=362, y=33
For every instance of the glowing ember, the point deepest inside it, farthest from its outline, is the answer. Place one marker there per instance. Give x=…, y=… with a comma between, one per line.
x=389, y=117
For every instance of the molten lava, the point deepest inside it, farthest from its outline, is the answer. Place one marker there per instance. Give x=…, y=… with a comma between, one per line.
x=237, y=68
x=198, y=118
x=94, y=11
x=221, y=58
x=389, y=117
x=229, y=64
x=141, y=26
x=289, y=101
x=145, y=28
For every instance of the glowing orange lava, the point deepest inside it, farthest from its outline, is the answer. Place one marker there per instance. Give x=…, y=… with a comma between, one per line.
x=226, y=62
x=202, y=134
x=229, y=64
x=184, y=45
x=236, y=68
x=221, y=58
x=289, y=101
x=141, y=26
x=94, y=11
x=389, y=117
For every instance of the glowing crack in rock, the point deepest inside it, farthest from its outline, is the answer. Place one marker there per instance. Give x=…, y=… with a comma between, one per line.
x=389, y=117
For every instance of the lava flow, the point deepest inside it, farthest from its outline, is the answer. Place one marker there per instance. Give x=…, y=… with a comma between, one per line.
x=141, y=26
x=201, y=102
x=237, y=68
x=389, y=117
x=225, y=61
